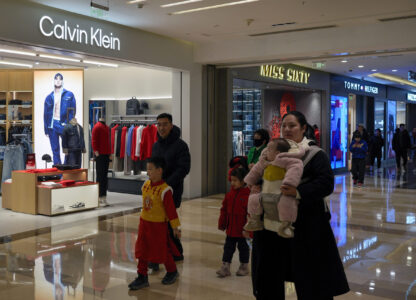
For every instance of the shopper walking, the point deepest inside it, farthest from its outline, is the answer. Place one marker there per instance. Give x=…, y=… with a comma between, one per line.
x=100, y=142
x=310, y=259
x=358, y=148
x=178, y=163
x=413, y=146
x=261, y=138
x=375, y=148
x=232, y=219
x=153, y=242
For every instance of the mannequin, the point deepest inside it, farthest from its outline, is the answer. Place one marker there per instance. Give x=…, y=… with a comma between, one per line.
x=100, y=143
x=73, y=143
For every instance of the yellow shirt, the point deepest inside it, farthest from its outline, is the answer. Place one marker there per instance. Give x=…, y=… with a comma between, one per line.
x=153, y=208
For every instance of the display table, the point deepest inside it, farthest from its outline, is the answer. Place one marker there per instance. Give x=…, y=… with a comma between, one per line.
x=27, y=195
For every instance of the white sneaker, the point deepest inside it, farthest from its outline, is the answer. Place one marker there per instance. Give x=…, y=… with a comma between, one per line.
x=103, y=201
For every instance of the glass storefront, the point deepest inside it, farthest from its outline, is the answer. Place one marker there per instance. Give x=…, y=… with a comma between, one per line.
x=379, y=117
x=339, y=131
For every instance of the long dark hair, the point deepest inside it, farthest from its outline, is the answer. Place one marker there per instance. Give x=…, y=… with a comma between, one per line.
x=300, y=117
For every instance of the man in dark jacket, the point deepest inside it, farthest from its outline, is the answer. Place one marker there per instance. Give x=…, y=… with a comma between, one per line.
x=178, y=161
x=375, y=148
x=404, y=145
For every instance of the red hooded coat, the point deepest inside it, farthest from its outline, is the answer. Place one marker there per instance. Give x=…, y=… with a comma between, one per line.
x=234, y=212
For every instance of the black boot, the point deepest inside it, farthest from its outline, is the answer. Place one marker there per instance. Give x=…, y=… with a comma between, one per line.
x=170, y=277
x=140, y=282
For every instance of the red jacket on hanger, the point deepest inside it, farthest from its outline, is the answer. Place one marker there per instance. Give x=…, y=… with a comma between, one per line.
x=149, y=137
x=113, y=134
x=123, y=142
x=100, y=140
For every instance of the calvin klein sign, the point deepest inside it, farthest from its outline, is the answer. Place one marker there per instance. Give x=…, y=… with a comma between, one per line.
x=92, y=36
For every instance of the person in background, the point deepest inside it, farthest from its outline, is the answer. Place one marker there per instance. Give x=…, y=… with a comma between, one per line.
x=317, y=135
x=358, y=150
x=376, y=144
x=233, y=216
x=261, y=138
x=405, y=144
x=413, y=145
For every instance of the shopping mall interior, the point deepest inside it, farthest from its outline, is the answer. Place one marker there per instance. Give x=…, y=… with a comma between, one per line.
x=223, y=70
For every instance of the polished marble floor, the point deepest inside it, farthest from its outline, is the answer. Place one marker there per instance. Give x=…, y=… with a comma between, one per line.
x=92, y=256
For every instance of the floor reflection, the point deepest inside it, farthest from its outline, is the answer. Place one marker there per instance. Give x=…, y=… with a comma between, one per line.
x=374, y=227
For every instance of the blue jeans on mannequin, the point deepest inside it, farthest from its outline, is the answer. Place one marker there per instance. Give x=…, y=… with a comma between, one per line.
x=54, y=134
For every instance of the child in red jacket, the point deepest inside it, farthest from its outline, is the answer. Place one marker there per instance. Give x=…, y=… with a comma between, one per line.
x=232, y=219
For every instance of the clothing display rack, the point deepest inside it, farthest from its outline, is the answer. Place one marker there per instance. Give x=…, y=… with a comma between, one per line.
x=127, y=183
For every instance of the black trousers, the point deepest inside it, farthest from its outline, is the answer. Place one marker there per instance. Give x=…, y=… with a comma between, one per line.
x=373, y=157
x=229, y=249
x=175, y=240
x=358, y=169
x=401, y=154
x=102, y=163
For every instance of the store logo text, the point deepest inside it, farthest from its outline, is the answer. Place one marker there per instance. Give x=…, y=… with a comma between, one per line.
x=64, y=32
x=281, y=73
x=360, y=87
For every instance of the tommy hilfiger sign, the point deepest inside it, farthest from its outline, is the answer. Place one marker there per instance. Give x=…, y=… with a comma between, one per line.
x=360, y=87
x=93, y=36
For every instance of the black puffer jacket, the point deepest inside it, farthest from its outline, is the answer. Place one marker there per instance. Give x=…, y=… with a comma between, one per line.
x=178, y=161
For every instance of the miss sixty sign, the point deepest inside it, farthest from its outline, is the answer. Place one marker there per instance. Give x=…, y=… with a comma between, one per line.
x=76, y=34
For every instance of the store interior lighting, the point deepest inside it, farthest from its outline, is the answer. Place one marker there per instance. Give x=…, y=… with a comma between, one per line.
x=212, y=7
x=393, y=79
x=17, y=52
x=98, y=63
x=9, y=63
x=135, y=1
x=180, y=3
x=59, y=58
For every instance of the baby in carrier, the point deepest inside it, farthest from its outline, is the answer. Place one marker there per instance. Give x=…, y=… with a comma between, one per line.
x=276, y=166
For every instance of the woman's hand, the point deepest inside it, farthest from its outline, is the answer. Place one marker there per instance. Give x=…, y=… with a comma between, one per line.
x=288, y=190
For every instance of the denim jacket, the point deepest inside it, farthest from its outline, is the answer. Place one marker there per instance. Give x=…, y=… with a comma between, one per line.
x=73, y=138
x=67, y=101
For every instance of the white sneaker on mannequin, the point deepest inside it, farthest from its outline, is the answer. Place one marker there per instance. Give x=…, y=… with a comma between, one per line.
x=103, y=201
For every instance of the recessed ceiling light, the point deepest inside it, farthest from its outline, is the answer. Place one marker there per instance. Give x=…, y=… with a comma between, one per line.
x=374, y=70
x=18, y=52
x=2, y=62
x=36, y=63
x=135, y=1
x=59, y=57
x=361, y=66
x=211, y=7
x=98, y=63
x=394, y=70
x=180, y=3
x=344, y=61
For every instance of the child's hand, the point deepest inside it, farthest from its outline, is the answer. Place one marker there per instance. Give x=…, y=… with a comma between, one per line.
x=177, y=233
x=246, y=234
x=255, y=189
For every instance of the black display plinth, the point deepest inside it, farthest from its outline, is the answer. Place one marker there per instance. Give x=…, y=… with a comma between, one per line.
x=127, y=186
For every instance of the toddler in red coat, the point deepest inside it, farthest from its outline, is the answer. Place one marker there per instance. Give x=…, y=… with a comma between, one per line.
x=232, y=219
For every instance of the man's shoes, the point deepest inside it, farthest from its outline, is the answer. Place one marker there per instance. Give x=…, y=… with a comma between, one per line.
x=178, y=258
x=153, y=266
x=140, y=282
x=170, y=277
